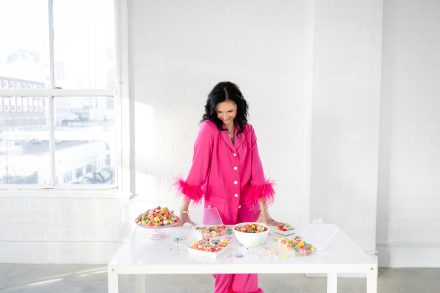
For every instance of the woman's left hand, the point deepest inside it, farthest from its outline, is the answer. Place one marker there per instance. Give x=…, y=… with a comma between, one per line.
x=272, y=222
x=266, y=219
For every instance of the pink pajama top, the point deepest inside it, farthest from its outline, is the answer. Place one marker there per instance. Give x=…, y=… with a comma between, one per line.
x=228, y=176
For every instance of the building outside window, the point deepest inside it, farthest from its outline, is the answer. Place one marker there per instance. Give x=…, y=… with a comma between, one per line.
x=58, y=94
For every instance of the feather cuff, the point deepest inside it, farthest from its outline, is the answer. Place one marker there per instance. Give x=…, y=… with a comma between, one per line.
x=254, y=193
x=193, y=192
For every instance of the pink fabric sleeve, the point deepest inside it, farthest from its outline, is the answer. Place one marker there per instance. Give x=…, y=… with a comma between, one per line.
x=193, y=186
x=259, y=187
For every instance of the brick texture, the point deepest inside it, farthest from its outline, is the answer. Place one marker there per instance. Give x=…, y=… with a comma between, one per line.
x=180, y=49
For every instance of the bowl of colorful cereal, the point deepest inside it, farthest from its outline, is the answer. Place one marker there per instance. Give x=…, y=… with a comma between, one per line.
x=251, y=234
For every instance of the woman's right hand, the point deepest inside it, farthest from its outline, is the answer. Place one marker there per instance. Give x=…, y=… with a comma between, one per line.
x=185, y=218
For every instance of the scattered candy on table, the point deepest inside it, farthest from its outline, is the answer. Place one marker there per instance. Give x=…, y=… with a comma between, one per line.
x=159, y=216
x=297, y=244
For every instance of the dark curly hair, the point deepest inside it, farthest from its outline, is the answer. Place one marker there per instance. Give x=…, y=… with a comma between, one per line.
x=223, y=91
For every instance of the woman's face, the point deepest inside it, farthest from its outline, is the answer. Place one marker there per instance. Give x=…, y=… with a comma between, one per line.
x=226, y=112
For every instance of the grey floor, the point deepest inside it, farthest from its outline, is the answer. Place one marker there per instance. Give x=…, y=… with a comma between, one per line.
x=93, y=278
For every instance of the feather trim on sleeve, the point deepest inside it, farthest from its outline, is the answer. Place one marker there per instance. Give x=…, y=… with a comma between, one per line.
x=253, y=193
x=193, y=192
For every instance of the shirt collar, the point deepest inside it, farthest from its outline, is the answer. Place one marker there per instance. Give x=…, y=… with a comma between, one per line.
x=238, y=138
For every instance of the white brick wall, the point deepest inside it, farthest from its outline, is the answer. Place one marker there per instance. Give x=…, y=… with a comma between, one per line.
x=345, y=116
x=178, y=52
x=56, y=228
x=180, y=49
x=408, y=200
x=174, y=64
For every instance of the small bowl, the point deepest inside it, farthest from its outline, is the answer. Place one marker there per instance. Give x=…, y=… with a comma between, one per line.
x=248, y=239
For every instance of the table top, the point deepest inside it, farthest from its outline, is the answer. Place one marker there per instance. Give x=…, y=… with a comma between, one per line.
x=141, y=254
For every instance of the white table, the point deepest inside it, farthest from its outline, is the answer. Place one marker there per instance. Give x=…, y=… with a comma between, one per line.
x=140, y=255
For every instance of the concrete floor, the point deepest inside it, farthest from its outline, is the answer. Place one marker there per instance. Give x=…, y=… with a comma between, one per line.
x=93, y=278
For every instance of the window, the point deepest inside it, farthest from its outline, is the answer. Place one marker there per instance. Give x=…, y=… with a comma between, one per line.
x=58, y=94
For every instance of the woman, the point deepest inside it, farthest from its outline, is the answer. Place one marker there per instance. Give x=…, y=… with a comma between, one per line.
x=227, y=172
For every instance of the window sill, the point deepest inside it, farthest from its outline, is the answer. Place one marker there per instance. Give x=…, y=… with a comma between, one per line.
x=49, y=193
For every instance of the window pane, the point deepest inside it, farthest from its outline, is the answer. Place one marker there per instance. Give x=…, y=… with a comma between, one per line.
x=24, y=49
x=24, y=136
x=84, y=44
x=85, y=140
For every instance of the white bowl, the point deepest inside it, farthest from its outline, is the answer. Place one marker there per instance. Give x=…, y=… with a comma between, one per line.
x=251, y=239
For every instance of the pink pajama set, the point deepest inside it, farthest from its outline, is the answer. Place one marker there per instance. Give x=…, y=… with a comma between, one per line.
x=230, y=178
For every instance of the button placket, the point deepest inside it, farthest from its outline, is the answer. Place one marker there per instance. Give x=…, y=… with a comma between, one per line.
x=236, y=175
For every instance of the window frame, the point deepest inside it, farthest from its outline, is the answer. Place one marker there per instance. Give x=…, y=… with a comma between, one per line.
x=122, y=107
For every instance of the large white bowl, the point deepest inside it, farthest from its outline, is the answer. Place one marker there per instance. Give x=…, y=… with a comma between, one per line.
x=251, y=239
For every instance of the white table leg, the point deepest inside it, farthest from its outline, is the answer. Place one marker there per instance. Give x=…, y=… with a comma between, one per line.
x=113, y=285
x=372, y=280
x=332, y=283
x=140, y=284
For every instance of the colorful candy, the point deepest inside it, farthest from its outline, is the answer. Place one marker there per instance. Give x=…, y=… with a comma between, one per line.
x=210, y=245
x=251, y=228
x=214, y=231
x=285, y=227
x=297, y=244
x=159, y=216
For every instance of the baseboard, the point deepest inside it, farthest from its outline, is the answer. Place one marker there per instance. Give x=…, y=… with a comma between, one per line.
x=409, y=254
x=58, y=252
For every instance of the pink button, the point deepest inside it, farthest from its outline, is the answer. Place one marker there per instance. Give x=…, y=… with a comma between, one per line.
x=235, y=182
x=236, y=195
x=235, y=168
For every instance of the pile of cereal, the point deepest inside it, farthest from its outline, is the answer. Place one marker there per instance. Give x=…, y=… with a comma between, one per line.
x=251, y=228
x=214, y=231
x=297, y=244
x=159, y=216
x=210, y=245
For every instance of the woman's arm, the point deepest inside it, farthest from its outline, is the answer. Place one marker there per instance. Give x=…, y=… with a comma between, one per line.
x=184, y=212
x=193, y=187
x=264, y=214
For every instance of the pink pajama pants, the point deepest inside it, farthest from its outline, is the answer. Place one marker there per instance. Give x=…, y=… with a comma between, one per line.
x=236, y=283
